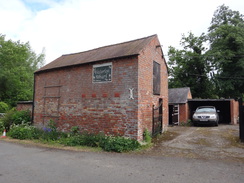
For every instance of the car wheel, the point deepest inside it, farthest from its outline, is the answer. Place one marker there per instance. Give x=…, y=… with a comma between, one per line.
x=217, y=124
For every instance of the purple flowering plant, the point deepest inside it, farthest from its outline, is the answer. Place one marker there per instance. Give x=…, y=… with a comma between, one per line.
x=46, y=129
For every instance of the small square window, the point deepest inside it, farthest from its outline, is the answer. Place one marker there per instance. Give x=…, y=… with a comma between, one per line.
x=102, y=73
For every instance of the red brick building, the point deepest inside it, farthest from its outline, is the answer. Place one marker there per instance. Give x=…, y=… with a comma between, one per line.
x=111, y=89
x=182, y=107
x=179, y=111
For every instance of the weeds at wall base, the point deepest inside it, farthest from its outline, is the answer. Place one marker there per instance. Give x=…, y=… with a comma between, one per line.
x=52, y=136
x=18, y=127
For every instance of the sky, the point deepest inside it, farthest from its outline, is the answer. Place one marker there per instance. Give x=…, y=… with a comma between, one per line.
x=60, y=27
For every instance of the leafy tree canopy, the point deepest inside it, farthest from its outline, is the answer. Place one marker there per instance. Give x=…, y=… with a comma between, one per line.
x=188, y=67
x=218, y=70
x=226, y=52
x=17, y=65
x=225, y=16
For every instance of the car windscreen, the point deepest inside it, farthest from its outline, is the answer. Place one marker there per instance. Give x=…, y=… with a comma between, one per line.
x=205, y=109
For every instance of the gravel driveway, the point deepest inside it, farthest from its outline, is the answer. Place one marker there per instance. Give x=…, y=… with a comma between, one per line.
x=220, y=142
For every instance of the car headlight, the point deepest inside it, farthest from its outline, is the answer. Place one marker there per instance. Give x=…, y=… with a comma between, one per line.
x=213, y=116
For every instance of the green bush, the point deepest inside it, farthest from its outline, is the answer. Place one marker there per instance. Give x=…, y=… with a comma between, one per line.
x=20, y=117
x=92, y=140
x=3, y=107
x=49, y=133
x=147, y=136
x=72, y=141
x=36, y=133
x=14, y=117
x=52, y=125
x=107, y=143
x=8, y=119
x=85, y=139
x=24, y=131
x=75, y=130
x=1, y=126
x=119, y=144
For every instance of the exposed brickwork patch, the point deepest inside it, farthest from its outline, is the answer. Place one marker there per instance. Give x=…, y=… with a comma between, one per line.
x=94, y=95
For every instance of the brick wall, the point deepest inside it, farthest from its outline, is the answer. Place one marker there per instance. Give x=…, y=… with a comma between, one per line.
x=184, y=110
x=145, y=80
x=183, y=113
x=72, y=99
x=122, y=107
x=23, y=106
x=234, y=111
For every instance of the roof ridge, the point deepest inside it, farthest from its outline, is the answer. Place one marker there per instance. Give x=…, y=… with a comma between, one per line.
x=109, y=45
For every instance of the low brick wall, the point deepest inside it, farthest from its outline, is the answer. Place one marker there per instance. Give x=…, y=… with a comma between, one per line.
x=24, y=105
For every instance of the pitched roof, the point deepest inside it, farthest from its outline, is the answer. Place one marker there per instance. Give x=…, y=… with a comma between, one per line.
x=125, y=49
x=178, y=95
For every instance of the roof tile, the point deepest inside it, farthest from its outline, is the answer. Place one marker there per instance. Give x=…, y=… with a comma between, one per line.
x=178, y=95
x=129, y=48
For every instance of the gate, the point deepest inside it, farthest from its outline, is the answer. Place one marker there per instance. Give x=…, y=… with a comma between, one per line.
x=241, y=119
x=157, y=120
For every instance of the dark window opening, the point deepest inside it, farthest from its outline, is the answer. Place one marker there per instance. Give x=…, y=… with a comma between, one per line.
x=156, y=78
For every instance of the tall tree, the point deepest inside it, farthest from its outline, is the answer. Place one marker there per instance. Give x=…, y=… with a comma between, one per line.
x=226, y=52
x=17, y=65
x=188, y=66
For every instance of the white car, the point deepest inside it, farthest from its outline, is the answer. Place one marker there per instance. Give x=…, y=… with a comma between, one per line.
x=206, y=115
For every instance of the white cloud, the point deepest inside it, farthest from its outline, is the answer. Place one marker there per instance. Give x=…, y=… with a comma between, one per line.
x=12, y=15
x=68, y=26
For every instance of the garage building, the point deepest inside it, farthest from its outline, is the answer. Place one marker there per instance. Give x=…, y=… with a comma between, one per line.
x=228, y=108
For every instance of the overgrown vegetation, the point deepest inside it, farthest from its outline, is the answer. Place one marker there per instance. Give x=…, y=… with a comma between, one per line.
x=18, y=125
x=107, y=143
x=147, y=136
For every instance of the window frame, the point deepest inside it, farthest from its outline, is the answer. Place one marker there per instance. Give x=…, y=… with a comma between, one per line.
x=102, y=65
